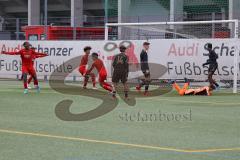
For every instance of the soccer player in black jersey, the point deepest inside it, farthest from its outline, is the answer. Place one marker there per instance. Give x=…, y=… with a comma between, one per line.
x=120, y=71
x=144, y=68
x=213, y=65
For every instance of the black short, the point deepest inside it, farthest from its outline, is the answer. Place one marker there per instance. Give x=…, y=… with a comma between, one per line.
x=213, y=67
x=202, y=93
x=146, y=74
x=189, y=94
x=119, y=76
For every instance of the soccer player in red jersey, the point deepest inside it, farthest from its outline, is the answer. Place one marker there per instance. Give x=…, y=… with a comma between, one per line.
x=98, y=64
x=27, y=55
x=83, y=68
x=37, y=55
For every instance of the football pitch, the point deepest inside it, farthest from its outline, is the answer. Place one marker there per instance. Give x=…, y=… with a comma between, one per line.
x=167, y=127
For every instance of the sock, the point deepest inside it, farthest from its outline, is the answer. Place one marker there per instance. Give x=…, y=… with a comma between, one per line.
x=126, y=94
x=30, y=79
x=25, y=85
x=94, y=81
x=85, y=81
x=146, y=87
x=36, y=82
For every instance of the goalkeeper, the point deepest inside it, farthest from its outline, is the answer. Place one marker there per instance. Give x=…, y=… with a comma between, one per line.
x=213, y=65
x=184, y=91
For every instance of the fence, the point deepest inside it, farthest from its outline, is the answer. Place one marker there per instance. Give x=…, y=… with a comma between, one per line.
x=12, y=28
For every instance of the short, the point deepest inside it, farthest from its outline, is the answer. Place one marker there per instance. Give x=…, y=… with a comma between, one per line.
x=119, y=76
x=203, y=91
x=82, y=70
x=28, y=70
x=213, y=67
x=146, y=73
x=189, y=92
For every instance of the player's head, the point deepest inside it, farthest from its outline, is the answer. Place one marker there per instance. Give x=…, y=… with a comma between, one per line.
x=87, y=49
x=122, y=49
x=26, y=45
x=209, y=46
x=146, y=45
x=94, y=56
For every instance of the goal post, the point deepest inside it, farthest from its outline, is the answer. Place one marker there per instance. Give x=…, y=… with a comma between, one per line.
x=215, y=29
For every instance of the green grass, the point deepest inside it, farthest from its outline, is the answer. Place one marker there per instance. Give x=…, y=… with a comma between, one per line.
x=29, y=126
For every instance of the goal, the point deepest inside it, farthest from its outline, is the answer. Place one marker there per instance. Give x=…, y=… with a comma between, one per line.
x=173, y=41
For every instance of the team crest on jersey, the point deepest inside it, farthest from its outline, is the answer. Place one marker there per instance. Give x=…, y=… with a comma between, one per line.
x=120, y=60
x=27, y=55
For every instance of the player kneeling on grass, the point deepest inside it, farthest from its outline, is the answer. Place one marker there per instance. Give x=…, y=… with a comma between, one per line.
x=27, y=55
x=204, y=91
x=98, y=64
x=120, y=71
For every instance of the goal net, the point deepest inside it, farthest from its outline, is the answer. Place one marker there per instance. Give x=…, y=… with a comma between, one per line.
x=182, y=47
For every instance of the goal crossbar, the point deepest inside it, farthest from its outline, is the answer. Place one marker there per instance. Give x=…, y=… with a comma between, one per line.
x=172, y=23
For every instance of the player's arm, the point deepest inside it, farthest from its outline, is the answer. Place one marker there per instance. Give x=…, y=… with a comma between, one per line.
x=207, y=63
x=90, y=70
x=40, y=55
x=127, y=64
x=11, y=53
x=142, y=57
x=114, y=63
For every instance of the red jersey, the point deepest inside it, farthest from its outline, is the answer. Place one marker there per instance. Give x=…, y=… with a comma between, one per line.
x=27, y=56
x=84, y=60
x=98, y=64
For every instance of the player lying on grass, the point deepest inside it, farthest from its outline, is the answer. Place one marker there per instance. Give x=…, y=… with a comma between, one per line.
x=204, y=91
x=98, y=64
x=27, y=55
x=213, y=65
x=120, y=71
x=83, y=68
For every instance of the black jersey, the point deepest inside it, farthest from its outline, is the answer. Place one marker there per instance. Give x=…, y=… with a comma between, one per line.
x=212, y=58
x=120, y=62
x=120, y=66
x=144, y=61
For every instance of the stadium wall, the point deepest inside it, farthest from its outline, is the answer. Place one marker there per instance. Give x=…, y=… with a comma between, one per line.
x=182, y=57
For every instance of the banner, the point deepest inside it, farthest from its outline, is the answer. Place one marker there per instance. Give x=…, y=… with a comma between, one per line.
x=182, y=57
